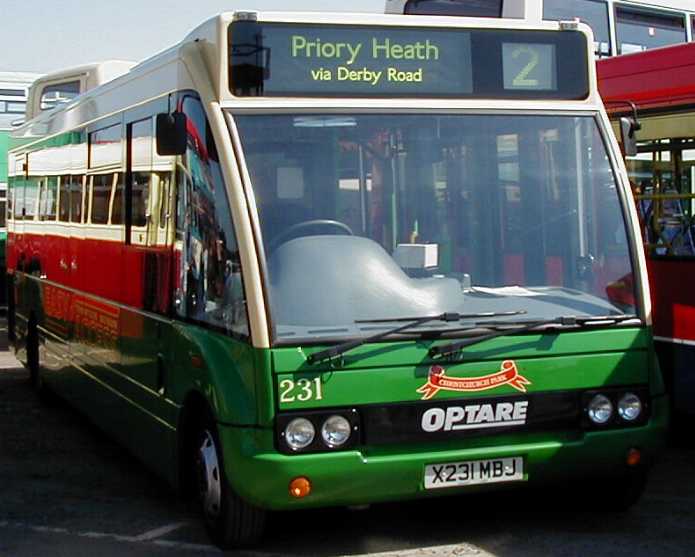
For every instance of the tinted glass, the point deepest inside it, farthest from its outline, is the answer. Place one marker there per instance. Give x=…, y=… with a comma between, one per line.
x=105, y=147
x=471, y=8
x=209, y=287
x=640, y=30
x=53, y=95
x=592, y=12
x=390, y=216
x=13, y=92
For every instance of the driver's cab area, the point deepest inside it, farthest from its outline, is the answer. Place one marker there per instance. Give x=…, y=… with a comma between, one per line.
x=342, y=185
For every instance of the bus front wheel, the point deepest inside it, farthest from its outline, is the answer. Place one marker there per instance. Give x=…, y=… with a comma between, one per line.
x=625, y=491
x=230, y=521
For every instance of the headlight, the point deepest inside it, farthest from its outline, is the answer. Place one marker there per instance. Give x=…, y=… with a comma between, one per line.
x=600, y=409
x=299, y=433
x=335, y=431
x=629, y=407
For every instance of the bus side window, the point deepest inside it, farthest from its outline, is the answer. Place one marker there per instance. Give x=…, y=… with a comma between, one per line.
x=64, y=199
x=141, y=168
x=209, y=286
x=101, y=193
x=3, y=208
x=74, y=185
x=48, y=202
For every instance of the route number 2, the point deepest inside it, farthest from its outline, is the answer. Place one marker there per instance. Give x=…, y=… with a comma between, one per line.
x=301, y=390
x=522, y=78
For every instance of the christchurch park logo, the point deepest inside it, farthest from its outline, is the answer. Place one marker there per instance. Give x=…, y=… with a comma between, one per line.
x=438, y=380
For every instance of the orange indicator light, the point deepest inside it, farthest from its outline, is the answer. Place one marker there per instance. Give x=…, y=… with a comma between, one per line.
x=196, y=361
x=634, y=457
x=300, y=487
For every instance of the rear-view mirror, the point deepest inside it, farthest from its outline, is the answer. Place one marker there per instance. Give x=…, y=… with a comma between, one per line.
x=171, y=134
x=628, y=136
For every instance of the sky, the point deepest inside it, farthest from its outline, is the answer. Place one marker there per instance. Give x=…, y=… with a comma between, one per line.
x=47, y=35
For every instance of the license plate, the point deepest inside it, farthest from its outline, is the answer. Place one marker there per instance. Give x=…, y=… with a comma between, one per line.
x=474, y=472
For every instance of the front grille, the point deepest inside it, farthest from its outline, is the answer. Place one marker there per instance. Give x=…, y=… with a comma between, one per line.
x=465, y=418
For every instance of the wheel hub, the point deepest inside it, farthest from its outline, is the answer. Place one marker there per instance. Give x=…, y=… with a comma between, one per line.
x=209, y=476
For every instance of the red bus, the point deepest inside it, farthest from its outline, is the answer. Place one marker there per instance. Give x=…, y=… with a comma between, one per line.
x=661, y=85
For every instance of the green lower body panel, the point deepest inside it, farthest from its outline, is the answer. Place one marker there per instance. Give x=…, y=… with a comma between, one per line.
x=389, y=473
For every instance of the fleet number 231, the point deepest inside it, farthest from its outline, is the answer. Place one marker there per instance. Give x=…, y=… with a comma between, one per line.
x=301, y=390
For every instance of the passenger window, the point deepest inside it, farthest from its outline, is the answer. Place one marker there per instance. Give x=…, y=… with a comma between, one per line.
x=641, y=30
x=141, y=161
x=49, y=198
x=18, y=198
x=164, y=194
x=76, y=196
x=209, y=286
x=64, y=203
x=662, y=175
x=105, y=147
x=31, y=193
x=101, y=195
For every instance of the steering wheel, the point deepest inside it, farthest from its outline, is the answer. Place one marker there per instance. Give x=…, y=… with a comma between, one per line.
x=304, y=229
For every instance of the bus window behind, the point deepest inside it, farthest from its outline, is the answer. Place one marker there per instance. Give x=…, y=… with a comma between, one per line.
x=640, y=30
x=470, y=8
x=592, y=12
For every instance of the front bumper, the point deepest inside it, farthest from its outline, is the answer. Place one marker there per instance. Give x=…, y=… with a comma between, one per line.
x=393, y=473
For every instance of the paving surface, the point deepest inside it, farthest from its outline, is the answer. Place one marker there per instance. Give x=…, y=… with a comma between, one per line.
x=65, y=490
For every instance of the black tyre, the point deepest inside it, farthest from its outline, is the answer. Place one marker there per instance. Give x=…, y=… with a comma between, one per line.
x=611, y=495
x=230, y=521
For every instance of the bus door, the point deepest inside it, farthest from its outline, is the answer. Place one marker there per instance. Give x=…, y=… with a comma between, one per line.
x=148, y=254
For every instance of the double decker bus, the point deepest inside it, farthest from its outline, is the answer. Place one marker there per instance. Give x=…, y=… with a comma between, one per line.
x=660, y=86
x=13, y=102
x=314, y=260
x=619, y=26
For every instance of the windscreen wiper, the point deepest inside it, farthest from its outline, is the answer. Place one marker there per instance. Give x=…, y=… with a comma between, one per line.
x=514, y=328
x=411, y=322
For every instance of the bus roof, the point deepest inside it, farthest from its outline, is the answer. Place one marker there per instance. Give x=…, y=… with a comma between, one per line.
x=22, y=79
x=654, y=79
x=200, y=62
x=88, y=76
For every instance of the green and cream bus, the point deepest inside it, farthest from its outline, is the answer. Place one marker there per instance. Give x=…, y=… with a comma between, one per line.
x=300, y=261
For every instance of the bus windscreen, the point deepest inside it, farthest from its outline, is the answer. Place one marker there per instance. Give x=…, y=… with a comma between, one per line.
x=300, y=60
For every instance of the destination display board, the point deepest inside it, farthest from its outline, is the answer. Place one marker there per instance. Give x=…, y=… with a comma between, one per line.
x=291, y=60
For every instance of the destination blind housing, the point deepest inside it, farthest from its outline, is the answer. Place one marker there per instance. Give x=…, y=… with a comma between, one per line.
x=282, y=59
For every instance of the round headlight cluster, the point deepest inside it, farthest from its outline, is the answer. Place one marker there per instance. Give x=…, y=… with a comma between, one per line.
x=300, y=433
x=629, y=407
x=335, y=431
x=600, y=409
